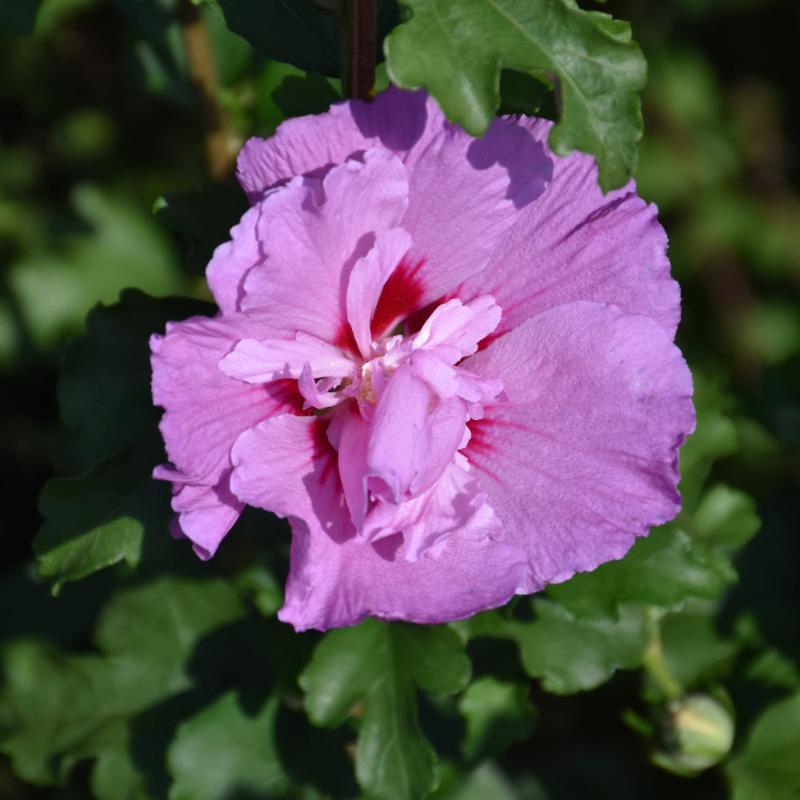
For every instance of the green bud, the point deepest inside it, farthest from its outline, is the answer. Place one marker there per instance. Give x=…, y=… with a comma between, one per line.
x=699, y=733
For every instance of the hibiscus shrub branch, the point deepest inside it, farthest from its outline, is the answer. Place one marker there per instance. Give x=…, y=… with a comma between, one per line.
x=361, y=32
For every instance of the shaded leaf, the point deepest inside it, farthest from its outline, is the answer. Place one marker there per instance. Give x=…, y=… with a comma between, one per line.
x=381, y=665
x=224, y=752
x=768, y=767
x=203, y=218
x=570, y=655
x=100, y=519
x=660, y=570
x=497, y=713
x=309, y=94
x=566, y=653
x=295, y=31
x=19, y=16
x=456, y=50
x=66, y=708
x=104, y=387
x=694, y=650
x=726, y=518
x=299, y=32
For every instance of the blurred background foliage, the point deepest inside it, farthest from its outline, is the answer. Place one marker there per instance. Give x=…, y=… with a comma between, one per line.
x=122, y=686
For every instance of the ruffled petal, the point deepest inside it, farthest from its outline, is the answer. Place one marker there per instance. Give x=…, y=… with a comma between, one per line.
x=398, y=424
x=232, y=260
x=402, y=122
x=286, y=465
x=451, y=506
x=454, y=329
x=367, y=280
x=255, y=361
x=582, y=456
x=465, y=195
x=205, y=412
x=576, y=243
x=351, y=446
x=332, y=583
x=311, y=244
x=205, y=513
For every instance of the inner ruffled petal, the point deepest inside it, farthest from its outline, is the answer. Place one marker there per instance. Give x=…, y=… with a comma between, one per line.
x=455, y=329
x=367, y=280
x=255, y=361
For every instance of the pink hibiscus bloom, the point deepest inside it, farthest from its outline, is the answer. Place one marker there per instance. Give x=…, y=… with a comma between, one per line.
x=448, y=361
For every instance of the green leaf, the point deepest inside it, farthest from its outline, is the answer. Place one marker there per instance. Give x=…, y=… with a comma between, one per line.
x=487, y=781
x=381, y=665
x=299, y=32
x=497, y=713
x=714, y=438
x=456, y=51
x=309, y=94
x=104, y=387
x=100, y=519
x=204, y=218
x=66, y=708
x=566, y=653
x=660, y=570
x=103, y=516
x=694, y=650
x=245, y=759
x=768, y=767
x=295, y=31
x=570, y=655
x=56, y=287
x=726, y=518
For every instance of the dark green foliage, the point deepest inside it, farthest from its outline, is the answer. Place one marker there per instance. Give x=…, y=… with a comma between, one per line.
x=153, y=676
x=372, y=671
x=101, y=517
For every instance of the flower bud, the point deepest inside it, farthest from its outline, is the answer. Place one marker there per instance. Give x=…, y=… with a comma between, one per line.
x=699, y=732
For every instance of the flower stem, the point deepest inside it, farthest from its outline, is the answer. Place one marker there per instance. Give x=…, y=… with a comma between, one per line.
x=217, y=137
x=361, y=32
x=654, y=662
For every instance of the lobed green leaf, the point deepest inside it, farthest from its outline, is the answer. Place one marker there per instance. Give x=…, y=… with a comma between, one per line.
x=456, y=51
x=381, y=665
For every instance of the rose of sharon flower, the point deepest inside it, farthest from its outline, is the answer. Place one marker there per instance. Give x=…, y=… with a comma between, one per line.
x=448, y=361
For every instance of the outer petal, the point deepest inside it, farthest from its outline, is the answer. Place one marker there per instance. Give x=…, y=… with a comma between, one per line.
x=205, y=411
x=582, y=458
x=465, y=195
x=205, y=513
x=232, y=260
x=402, y=122
x=339, y=583
x=312, y=242
x=286, y=465
x=575, y=243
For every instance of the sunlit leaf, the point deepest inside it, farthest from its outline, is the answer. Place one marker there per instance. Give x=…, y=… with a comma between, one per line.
x=456, y=51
